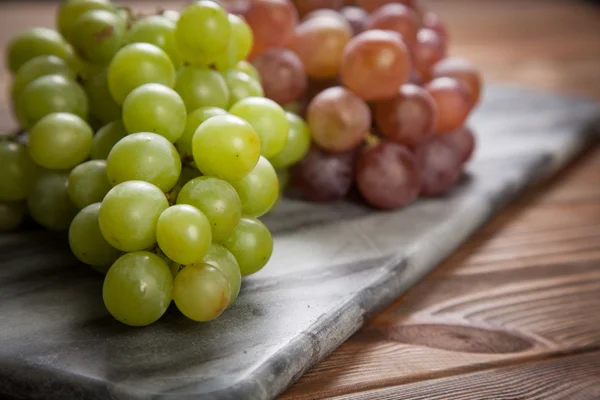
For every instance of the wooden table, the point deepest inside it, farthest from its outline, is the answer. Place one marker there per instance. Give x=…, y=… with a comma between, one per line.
x=514, y=313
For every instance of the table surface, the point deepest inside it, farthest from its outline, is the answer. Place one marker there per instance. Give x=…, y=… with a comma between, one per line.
x=520, y=299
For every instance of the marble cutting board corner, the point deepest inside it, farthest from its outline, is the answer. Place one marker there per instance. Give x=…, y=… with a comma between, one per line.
x=333, y=267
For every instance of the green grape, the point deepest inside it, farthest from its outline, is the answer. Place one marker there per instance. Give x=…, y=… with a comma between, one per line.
x=87, y=242
x=17, y=171
x=246, y=67
x=155, y=108
x=60, y=141
x=220, y=258
x=70, y=11
x=202, y=32
x=226, y=146
x=259, y=190
x=129, y=214
x=144, y=157
x=251, y=244
x=102, y=104
x=12, y=215
x=194, y=120
x=293, y=107
x=51, y=94
x=171, y=15
x=243, y=36
x=158, y=30
x=269, y=121
x=37, y=42
x=187, y=174
x=38, y=67
x=183, y=234
x=88, y=183
x=138, y=288
x=298, y=143
x=228, y=58
x=201, y=292
x=106, y=138
x=217, y=199
x=201, y=87
x=98, y=35
x=241, y=86
x=136, y=64
x=49, y=203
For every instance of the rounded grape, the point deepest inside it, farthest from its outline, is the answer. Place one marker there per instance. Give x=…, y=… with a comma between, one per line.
x=86, y=240
x=60, y=141
x=432, y=21
x=193, y=121
x=298, y=143
x=12, y=215
x=201, y=87
x=241, y=86
x=319, y=42
x=37, y=42
x=407, y=118
x=102, y=104
x=272, y=22
x=38, y=67
x=51, y=94
x=268, y=120
x=220, y=258
x=259, y=190
x=88, y=183
x=338, y=119
x=98, y=35
x=202, y=32
x=282, y=75
x=183, y=234
x=217, y=199
x=129, y=214
x=440, y=166
x=387, y=175
x=430, y=48
x=375, y=63
x=137, y=64
x=106, y=138
x=462, y=71
x=70, y=11
x=49, y=203
x=453, y=103
x=226, y=146
x=397, y=18
x=356, y=17
x=322, y=176
x=155, y=108
x=201, y=292
x=246, y=67
x=251, y=244
x=145, y=157
x=138, y=288
x=372, y=5
x=18, y=171
x=238, y=47
x=463, y=141
x=159, y=31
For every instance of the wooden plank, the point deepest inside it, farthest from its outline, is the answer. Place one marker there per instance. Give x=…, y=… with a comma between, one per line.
x=570, y=377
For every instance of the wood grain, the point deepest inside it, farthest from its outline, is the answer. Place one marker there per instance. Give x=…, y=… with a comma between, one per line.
x=497, y=319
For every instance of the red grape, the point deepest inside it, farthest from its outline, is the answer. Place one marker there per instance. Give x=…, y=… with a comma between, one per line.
x=407, y=118
x=272, y=22
x=282, y=75
x=398, y=18
x=430, y=48
x=463, y=141
x=462, y=71
x=239, y=7
x=432, y=21
x=372, y=5
x=306, y=6
x=356, y=17
x=440, y=166
x=387, y=175
x=374, y=65
x=319, y=42
x=322, y=176
x=338, y=120
x=453, y=102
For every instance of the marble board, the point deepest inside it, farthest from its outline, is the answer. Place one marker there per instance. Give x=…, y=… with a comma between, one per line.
x=333, y=267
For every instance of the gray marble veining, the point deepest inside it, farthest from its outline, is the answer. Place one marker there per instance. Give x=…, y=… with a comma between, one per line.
x=333, y=267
